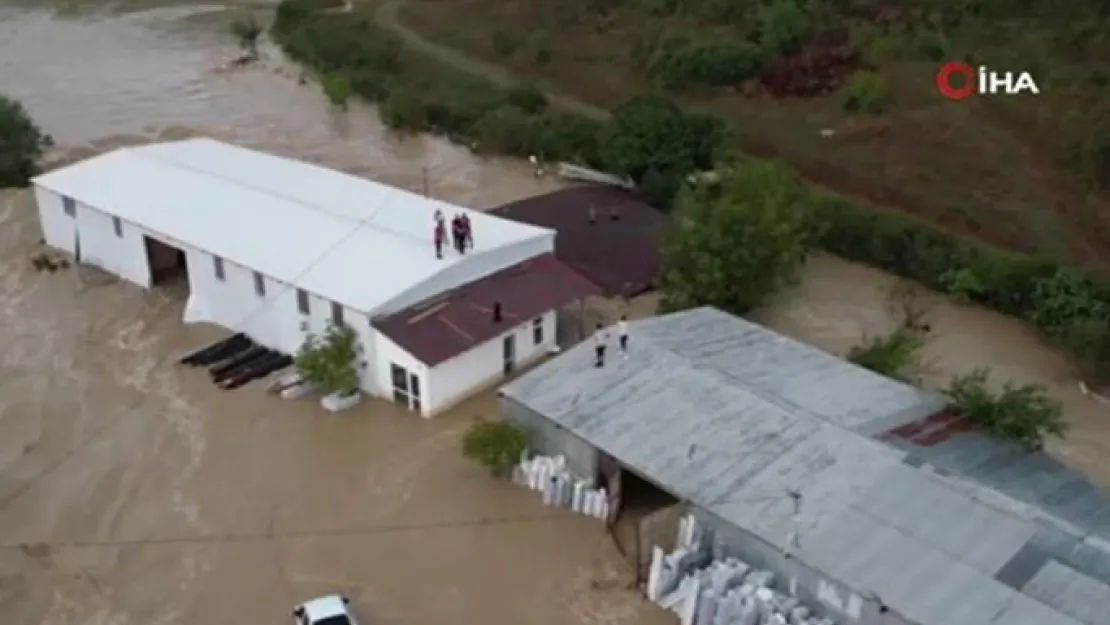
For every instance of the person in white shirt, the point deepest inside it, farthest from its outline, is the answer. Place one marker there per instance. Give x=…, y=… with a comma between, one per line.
x=622, y=335
x=601, y=337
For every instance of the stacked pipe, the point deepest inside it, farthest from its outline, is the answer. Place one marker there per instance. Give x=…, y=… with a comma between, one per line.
x=720, y=592
x=558, y=487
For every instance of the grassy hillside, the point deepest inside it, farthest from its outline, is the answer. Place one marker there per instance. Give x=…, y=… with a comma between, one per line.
x=1029, y=171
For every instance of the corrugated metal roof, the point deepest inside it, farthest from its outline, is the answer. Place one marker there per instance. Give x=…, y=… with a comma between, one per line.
x=344, y=238
x=728, y=416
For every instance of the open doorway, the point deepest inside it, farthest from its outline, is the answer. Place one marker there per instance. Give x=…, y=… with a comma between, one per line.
x=642, y=515
x=167, y=263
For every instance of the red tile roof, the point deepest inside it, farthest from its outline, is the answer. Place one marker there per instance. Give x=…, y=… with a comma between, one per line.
x=621, y=256
x=450, y=324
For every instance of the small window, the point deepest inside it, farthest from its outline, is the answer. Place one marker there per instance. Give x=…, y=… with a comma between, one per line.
x=537, y=330
x=337, y=313
x=117, y=225
x=259, y=284
x=400, y=377
x=302, y=301
x=218, y=267
x=69, y=206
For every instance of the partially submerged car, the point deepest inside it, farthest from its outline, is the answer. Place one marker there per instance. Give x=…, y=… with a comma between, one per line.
x=328, y=610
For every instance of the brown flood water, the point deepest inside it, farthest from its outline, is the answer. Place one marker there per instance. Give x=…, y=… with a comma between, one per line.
x=134, y=491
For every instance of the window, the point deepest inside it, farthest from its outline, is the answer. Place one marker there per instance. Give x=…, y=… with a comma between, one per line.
x=218, y=267
x=337, y=313
x=117, y=225
x=69, y=206
x=259, y=284
x=537, y=330
x=302, y=301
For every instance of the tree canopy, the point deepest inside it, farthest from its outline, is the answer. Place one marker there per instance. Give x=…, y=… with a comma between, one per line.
x=735, y=243
x=22, y=144
x=656, y=144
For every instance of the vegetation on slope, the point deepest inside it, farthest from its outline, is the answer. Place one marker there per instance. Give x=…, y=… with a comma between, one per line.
x=22, y=144
x=1026, y=172
x=654, y=141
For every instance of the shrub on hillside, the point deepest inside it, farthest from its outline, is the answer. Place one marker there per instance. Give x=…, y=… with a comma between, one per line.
x=652, y=134
x=682, y=61
x=864, y=93
x=22, y=144
x=526, y=97
x=783, y=26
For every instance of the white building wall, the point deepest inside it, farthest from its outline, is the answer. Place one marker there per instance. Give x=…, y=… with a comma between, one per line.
x=58, y=229
x=454, y=380
x=389, y=353
x=477, y=265
x=122, y=254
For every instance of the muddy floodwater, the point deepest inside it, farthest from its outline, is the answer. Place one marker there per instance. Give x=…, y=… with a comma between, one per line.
x=132, y=491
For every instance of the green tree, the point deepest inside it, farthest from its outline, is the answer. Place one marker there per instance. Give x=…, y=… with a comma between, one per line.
x=783, y=26
x=651, y=134
x=496, y=445
x=330, y=362
x=22, y=144
x=1022, y=414
x=733, y=245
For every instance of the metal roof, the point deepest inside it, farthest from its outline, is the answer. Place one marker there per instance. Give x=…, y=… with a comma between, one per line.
x=292, y=221
x=731, y=416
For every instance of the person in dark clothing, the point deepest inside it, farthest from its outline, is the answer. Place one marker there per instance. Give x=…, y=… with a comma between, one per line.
x=622, y=335
x=439, y=237
x=468, y=234
x=457, y=234
x=601, y=337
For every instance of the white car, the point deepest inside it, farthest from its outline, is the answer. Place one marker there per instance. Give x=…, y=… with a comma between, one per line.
x=329, y=610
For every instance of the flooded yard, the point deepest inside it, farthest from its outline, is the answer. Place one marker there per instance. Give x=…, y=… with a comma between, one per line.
x=132, y=490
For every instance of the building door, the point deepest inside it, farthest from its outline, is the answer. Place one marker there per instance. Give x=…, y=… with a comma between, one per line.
x=406, y=387
x=508, y=349
x=414, y=392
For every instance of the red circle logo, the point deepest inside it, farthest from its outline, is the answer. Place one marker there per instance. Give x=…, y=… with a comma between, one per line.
x=951, y=70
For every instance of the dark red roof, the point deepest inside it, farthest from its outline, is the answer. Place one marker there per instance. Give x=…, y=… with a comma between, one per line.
x=622, y=256
x=447, y=325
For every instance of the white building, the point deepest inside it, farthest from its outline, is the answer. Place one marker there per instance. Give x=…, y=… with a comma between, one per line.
x=277, y=248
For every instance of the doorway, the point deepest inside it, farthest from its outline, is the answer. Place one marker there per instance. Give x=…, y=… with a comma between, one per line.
x=508, y=350
x=167, y=263
x=406, y=387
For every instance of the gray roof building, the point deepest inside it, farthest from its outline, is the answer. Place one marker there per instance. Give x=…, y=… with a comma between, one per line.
x=730, y=416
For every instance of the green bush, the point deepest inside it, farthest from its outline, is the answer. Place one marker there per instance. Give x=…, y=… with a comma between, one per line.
x=496, y=445
x=504, y=43
x=22, y=144
x=683, y=61
x=894, y=356
x=1022, y=414
x=337, y=88
x=526, y=97
x=330, y=362
x=865, y=92
x=402, y=109
x=783, y=26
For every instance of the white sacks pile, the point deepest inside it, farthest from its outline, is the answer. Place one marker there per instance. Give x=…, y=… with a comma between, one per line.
x=557, y=487
x=722, y=592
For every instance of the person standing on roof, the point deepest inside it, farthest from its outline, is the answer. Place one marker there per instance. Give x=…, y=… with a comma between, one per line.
x=601, y=337
x=439, y=237
x=622, y=335
x=468, y=234
x=457, y=234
